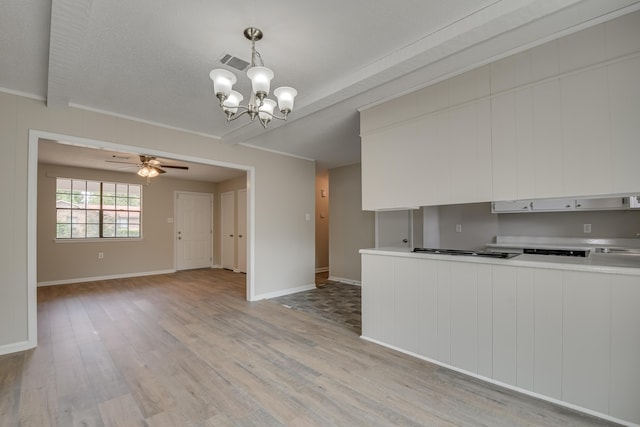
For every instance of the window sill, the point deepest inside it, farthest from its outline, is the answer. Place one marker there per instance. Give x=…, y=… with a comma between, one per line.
x=100, y=240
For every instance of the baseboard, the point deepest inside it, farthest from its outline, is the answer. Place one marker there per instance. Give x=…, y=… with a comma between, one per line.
x=283, y=292
x=505, y=385
x=217, y=266
x=322, y=270
x=346, y=281
x=16, y=347
x=110, y=277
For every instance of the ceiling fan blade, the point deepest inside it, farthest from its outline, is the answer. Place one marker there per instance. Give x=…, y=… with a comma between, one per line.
x=158, y=169
x=125, y=163
x=176, y=167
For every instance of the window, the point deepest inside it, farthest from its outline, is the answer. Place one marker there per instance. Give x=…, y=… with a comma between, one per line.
x=94, y=209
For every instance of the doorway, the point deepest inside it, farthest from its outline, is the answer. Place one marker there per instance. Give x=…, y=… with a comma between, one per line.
x=35, y=136
x=228, y=220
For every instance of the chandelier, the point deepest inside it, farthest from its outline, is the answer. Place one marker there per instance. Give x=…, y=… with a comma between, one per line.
x=259, y=105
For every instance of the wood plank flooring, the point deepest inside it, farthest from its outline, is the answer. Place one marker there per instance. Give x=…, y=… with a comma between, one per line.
x=186, y=349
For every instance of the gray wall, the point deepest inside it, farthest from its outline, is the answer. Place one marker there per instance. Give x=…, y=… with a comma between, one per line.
x=350, y=228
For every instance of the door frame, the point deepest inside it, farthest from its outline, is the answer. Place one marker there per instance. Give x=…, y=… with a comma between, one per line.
x=32, y=203
x=175, y=225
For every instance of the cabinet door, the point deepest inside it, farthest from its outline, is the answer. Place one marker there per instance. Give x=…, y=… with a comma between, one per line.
x=603, y=203
x=504, y=324
x=586, y=140
x=504, y=147
x=464, y=315
x=428, y=313
x=625, y=347
x=586, y=340
x=547, y=296
x=553, y=205
x=624, y=103
x=511, y=206
x=378, y=298
x=525, y=328
x=406, y=303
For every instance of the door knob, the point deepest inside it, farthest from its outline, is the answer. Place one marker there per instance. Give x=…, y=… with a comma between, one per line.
x=230, y=235
x=239, y=235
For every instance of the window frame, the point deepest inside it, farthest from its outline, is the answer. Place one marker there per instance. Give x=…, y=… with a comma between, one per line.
x=115, y=209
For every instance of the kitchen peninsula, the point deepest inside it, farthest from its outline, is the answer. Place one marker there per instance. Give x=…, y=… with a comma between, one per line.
x=560, y=328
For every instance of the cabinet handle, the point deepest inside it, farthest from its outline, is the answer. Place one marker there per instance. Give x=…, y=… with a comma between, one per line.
x=405, y=241
x=239, y=235
x=230, y=235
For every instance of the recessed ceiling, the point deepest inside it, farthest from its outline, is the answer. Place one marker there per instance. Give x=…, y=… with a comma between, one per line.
x=150, y=59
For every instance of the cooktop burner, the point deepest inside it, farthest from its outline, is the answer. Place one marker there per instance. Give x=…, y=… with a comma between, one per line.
x=465, y=252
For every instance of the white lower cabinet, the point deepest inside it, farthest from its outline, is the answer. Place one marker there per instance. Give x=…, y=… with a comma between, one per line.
x=569, y=335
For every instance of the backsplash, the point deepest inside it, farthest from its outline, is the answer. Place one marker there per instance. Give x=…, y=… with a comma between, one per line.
x=478, y=226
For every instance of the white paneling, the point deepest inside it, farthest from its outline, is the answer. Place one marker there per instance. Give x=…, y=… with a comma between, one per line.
x=622, y=35
x=525, y=328
x=428, y=308
x=483, y=164
x=586, y=143
x=502, y=75
x=581, y=49
x=430, y=143
x=586, y=340
x=625, y=348
x=522, y=68
x=545, y=61
x=504, y=324
x=433, y=98
x=440, y=158
x=485, y=321
x=464, y=316
x=548, y=333
x=406, y=303
x=378, y=298
x=444, y=312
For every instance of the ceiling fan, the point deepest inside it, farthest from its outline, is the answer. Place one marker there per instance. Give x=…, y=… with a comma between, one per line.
x=149, y=166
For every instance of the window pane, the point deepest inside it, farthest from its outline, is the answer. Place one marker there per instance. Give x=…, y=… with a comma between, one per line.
x=135, y=191
x=134, y=230
x=78, y=231
x=63, y=185
x=93, y=230
x=122, y=230
x=108, y=230
x=108, y=189
x=93, y=187
x=63, y=231
x=93, y=201
x=122, y=190
x=108, y=202
x=78, y=216
x=93, y=217
x=122, y=203
x=134, y=217
x=109, y=217
x=134, y=204
x=63, y=216
x=122, y=217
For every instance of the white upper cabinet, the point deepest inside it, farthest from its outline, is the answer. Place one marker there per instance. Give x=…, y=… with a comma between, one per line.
x=558, y=120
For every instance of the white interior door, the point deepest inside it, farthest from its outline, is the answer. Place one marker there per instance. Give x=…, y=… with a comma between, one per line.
x=242, y=231
x=194, y=230
x=393, y=229
x=228, y=240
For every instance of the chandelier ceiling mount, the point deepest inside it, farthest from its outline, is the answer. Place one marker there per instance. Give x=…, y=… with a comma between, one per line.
x=258, y=105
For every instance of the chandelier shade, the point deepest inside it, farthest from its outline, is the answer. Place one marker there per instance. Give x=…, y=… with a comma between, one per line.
x=258, y=104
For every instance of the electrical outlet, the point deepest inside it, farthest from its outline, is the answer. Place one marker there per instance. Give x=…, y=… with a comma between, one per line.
x=458, y=228
x=100, y=255
x=586, y=228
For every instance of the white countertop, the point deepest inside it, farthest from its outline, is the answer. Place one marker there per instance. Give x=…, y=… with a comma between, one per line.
x=604, y=263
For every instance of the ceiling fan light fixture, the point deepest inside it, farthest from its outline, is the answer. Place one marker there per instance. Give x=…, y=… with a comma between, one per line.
x=148, y=172
x=260, y=76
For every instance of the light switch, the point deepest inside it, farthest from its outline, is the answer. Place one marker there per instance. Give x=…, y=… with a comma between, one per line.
x=169, y=220
x=308, y=216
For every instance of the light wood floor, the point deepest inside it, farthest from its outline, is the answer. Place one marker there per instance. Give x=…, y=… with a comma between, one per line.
x=186, y=349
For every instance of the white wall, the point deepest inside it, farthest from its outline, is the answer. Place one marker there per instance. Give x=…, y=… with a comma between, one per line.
x=284, y=239
x=350, y=228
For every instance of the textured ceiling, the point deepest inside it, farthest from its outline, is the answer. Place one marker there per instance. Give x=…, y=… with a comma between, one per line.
x=150, y=59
